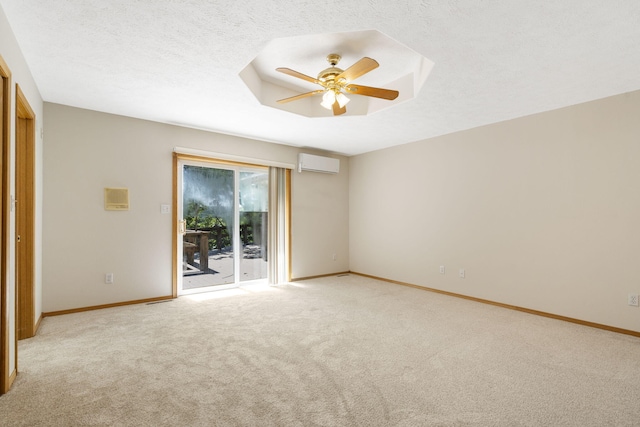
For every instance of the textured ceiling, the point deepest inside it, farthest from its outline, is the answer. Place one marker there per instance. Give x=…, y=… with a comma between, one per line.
x=178, y=61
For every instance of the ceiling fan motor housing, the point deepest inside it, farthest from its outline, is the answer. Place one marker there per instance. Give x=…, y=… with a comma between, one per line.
x=329, y=74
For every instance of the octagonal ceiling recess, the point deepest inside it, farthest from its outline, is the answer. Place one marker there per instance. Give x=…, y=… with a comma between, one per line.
x=400, y=69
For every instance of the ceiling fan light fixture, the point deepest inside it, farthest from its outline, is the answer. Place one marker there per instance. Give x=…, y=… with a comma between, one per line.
x=328, y=99
x=342, y=100
x=332, y=96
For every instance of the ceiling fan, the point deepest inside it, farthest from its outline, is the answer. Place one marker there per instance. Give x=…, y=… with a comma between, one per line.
x=336, y=82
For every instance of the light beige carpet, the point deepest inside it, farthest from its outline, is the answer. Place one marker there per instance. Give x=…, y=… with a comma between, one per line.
x=337, y=351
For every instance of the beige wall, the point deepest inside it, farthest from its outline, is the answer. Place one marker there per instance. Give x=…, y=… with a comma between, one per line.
x=542, y=212
x=86, y=151
x=20, y=74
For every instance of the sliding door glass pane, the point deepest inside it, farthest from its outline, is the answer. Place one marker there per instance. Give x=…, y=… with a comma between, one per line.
x=208, y=205
x=253, y=204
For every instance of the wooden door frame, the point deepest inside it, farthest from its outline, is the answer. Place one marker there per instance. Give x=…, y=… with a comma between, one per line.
x=6, y=377
x=25, y=216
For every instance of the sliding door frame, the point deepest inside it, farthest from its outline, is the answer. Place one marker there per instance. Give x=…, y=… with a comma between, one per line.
x=213, y=161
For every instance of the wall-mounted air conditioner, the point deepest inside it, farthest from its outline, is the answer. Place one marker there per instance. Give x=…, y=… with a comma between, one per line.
x=311, y=163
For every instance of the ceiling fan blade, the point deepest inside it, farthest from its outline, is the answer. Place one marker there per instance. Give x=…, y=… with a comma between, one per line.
x=302, y=95
x=294, y=73
x=376, y=92
x=337, y=110
x=358, y=69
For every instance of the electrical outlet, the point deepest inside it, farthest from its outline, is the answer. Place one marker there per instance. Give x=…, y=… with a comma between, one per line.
x=633, y=300
x=108, y=278
x=334, y=257
x=462, y=273
x=442, y=269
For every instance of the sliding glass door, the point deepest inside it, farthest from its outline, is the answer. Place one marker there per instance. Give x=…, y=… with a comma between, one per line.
x=223, y=214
